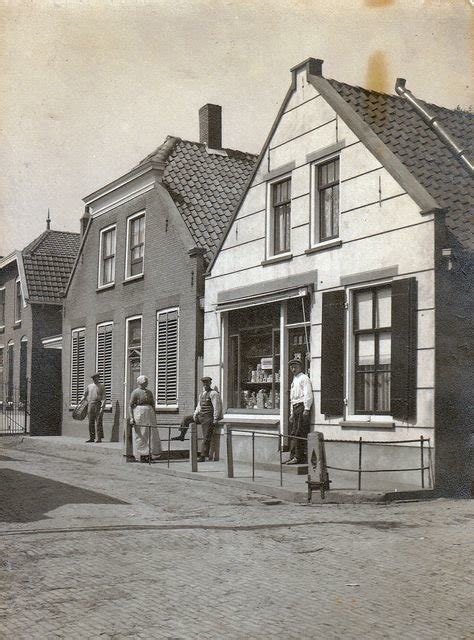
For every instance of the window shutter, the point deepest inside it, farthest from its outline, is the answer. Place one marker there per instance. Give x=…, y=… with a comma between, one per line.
x=104, y=358
x=404, y=329
x=77, y=365
x=332, y=354
x=167, y=358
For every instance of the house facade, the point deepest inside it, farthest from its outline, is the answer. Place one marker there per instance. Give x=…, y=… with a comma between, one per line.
x=133, y=304
x=348, y=250
x=31, y=285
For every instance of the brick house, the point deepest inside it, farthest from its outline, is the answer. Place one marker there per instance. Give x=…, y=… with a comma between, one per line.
x=352, y=250
x=133, y=303
x=32, y=282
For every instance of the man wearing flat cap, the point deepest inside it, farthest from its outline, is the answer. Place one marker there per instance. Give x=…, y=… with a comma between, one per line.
x=95, y=396
x=301, y=400
x=207, y=412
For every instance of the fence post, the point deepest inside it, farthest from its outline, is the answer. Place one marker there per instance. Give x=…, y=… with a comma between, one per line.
x=169, y=444
x=25, y=410
x=194, y=466
x=230, y=456
x=253, y=456
x=422, y=462
x=359, y=474
x=149, y=444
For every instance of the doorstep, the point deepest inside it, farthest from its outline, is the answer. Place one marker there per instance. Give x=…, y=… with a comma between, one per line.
x=266, y=481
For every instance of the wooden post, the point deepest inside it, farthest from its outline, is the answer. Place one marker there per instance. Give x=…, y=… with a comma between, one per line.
x=193, y=448
x=230, y=455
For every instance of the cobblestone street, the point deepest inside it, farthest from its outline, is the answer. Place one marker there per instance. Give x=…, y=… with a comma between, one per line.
x=94, y=548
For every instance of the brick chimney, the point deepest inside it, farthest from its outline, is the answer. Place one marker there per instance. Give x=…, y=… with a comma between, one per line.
x=210, y=125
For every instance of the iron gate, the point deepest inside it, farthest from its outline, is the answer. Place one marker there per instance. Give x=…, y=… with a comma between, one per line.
x=14, y=409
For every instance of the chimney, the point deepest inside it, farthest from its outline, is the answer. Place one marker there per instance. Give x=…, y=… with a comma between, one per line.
x=85, y=221
x=210, y=125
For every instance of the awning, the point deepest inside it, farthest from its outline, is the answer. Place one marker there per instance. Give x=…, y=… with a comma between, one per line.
x=267, y=292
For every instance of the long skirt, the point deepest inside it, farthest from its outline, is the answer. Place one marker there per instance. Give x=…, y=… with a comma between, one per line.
x=145, y=415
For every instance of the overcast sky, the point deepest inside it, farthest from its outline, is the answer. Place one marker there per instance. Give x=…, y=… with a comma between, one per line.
x=89, y=87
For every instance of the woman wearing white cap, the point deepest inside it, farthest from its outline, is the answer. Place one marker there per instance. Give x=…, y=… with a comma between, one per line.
x=142, y=415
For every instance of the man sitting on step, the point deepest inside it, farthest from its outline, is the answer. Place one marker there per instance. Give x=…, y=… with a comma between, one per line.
x=207, y=413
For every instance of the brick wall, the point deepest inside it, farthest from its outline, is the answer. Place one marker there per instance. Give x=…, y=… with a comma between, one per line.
x=172, y=278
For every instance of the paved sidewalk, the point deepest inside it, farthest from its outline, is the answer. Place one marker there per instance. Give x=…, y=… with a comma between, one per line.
x=293, y=487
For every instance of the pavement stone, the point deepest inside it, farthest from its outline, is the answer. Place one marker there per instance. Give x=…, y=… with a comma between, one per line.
x=91, y=547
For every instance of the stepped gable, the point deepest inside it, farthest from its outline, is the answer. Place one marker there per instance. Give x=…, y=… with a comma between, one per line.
x=205, y=185
x=420, y=149
x=48, y=262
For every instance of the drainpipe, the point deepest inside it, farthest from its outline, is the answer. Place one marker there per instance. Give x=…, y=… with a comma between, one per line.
x=432, y=121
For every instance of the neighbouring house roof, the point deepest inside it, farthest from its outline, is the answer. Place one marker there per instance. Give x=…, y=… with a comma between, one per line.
x=47, y=263
x=205, y=185
x=422, y=151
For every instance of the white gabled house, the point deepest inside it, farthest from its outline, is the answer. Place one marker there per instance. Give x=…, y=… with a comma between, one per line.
x=351, y=248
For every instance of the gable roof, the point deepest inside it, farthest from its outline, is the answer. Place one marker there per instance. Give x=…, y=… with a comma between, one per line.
x=205, y=185
x=422, y=151
x=47, y=263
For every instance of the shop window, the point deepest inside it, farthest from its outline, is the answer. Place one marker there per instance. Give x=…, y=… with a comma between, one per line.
x=135, y=245
x=104, y=349
x=281, y=215
x=372, y=350
x=107, y=256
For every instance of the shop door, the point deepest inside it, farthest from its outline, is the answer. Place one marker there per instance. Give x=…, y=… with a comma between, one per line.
x=133, y=355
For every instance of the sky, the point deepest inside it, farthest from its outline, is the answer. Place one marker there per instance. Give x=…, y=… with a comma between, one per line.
x=90, y=87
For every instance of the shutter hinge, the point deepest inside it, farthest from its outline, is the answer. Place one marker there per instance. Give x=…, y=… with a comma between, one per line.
x=345, y=402
x=346, y=305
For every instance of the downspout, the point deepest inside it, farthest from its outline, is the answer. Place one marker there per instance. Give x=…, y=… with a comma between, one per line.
x=432, y=121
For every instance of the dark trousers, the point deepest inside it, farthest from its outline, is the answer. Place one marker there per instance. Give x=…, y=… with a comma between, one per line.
x=299, y=426
x=95, y=418
x=207, y=429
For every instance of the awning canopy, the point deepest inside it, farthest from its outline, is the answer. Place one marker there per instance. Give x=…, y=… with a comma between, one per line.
x=267, y=292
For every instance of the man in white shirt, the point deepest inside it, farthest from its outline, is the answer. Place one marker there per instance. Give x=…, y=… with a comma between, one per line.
x=95, y=396
x=301, y=401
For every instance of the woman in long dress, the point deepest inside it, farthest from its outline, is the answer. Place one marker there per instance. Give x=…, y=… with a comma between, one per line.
x=142, y=414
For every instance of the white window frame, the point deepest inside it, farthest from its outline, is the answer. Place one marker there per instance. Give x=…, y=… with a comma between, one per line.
x=127, y=250
x=270, y=218
x=167, y=407
x=73, y=331
x=314, y=204
x=2, y=326
x=108, y=403
x=100, y=269
x=125, y=375
x=18, y=282
x=349, y=383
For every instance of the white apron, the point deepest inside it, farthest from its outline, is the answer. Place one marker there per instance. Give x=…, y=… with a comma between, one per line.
x=144, y=414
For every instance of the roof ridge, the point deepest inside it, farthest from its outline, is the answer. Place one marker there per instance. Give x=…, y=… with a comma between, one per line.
x=203, y=144
x=34, y=243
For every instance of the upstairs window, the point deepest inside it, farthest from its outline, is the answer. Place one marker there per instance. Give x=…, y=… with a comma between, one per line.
x=135, y=245
x=2, y=307
x=328, y=198
x=107, y=256
x=167, y=358
x=18, y=300
x=281, y=214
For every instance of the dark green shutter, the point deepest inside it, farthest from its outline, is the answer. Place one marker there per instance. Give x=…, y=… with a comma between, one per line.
x=404, y=328
x=332, y=354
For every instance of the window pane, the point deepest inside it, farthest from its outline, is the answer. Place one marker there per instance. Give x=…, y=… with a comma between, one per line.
x=384, y=307
x=383, y=392
x=363, y=319
x=326, y=214
x=365, y=351
x=335, y=211
x=364, y=392
x=385, y=344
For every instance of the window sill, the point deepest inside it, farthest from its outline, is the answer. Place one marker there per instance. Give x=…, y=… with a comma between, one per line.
x=167, y=409
x=283, y=257
x=367, y=424
x=139, y=276
x=104, y=287
x=322, y=246
x=17, y=324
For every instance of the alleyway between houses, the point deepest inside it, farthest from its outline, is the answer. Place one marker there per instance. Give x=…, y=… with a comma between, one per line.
x=91, y=547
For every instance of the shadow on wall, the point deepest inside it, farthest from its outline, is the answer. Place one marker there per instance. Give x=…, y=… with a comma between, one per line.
x=27, y=498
